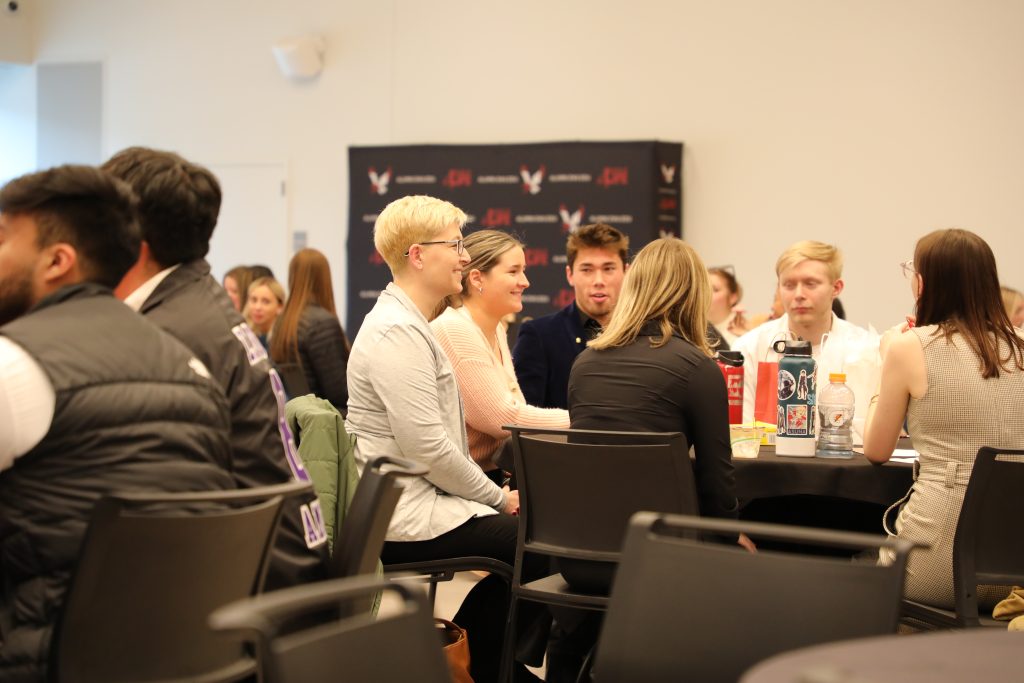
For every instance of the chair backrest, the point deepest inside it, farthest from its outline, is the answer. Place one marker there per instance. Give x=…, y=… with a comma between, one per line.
x=578, y=488
x=153, y=566
x=689, y=609
x=986, y=548
x=361, y=538
x=398, y=646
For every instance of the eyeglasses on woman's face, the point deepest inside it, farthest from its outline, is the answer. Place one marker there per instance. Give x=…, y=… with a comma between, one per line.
x=908, y=269
x=459, y=247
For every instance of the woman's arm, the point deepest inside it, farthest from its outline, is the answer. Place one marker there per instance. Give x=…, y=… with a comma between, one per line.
x=406, y=382
x=706, y=411
x=487, y=395
x=903, y=370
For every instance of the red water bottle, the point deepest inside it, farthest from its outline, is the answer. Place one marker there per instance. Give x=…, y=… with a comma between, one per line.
x=731, y=363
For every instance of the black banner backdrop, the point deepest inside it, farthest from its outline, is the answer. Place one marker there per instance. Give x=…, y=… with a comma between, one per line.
x=541, y=192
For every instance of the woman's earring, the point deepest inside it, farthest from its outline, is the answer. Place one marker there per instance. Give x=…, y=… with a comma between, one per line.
x=480, y=289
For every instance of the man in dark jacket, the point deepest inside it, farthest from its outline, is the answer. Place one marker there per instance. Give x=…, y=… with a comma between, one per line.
x=170, y=284
x=93, y=398
x=596, y=257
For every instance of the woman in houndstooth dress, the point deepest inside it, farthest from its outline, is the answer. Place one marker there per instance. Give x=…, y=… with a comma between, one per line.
x=957, y=377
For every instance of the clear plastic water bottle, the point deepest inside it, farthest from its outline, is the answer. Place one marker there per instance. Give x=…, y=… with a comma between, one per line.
x=835, y=413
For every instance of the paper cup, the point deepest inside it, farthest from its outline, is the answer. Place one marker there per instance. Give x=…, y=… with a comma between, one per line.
x=746, y=441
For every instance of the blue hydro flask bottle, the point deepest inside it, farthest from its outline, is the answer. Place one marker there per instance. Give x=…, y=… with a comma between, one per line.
x=795, y=430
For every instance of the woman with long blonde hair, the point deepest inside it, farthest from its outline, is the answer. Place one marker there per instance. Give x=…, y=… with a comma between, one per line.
x=651, y=369
x=308, y=331
x=472, y=334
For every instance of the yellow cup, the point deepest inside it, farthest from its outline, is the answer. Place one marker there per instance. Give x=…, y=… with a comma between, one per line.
x=745, y=441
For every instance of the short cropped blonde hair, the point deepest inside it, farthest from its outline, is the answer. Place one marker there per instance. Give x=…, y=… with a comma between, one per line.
x=411, y=220
x=810, y=250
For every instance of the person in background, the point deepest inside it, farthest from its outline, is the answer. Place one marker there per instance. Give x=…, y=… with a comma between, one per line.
x=810, y=278
x=1013, y=302
x=597, y=257
x=236, y=284
x=404, y=402
x=308, y=331
x=726, y=295
x=838, y=309
x=259, y=270
x=955, y=371
x=472, y=334
x=774, y=313
x=170, y=284
x=94, y=399
x=264, y=303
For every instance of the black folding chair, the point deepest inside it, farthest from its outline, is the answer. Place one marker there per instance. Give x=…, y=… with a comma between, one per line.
x=389, y=648
x=577, y=491
x=361, y=537
x=986, y=549
x=152, y=567
x=684, y=608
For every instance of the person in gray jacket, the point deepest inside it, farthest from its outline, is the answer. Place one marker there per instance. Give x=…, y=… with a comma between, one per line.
x=93, y=398
x=171, y=285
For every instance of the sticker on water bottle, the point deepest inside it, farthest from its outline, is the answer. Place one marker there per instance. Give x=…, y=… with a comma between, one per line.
x=787, y=384
x=796, y=420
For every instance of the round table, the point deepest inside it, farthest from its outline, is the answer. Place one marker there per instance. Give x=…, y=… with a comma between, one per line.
x=769, y=475
x=989, y=655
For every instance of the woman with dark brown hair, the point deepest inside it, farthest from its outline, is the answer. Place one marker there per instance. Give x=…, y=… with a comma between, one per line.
x=955, y=371
x=308, y=331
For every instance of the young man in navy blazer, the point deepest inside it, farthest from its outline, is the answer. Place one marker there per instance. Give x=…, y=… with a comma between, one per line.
x=596, y=257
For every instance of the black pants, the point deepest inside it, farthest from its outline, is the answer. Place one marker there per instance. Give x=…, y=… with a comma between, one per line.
x=485, y=609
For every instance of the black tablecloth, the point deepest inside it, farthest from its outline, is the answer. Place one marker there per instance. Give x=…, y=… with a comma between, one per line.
x=771, y=475
x=990, y=655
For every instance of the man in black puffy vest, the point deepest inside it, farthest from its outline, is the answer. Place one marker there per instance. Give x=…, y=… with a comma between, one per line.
x=93, y=398
x=170, y=284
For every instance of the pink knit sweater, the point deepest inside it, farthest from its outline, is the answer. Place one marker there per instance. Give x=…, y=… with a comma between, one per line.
x=490, y=391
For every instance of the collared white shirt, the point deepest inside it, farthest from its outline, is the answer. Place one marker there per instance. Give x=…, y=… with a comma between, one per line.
x=27, y=402
x=135, y=300
x=849, y=349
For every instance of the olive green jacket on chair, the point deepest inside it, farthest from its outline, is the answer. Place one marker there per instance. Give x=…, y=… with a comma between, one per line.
x=326, y=450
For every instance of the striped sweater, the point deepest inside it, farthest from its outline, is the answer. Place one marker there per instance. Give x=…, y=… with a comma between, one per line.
x=490, y=392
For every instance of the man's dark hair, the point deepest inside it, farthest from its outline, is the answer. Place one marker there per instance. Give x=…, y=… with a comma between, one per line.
x=85, y=207
x=178, y=202
x=597, y=236
x=259, y=270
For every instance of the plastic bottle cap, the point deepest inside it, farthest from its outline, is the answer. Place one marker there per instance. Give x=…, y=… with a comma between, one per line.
x=837, y=377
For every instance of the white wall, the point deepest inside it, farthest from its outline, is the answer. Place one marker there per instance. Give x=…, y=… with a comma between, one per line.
x=17, y=32
x=866, y=123
x=17, y=120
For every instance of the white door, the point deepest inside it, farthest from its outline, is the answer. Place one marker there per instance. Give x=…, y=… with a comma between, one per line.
x=253, y=224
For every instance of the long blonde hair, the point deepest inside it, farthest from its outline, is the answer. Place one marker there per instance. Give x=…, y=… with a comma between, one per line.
x=667, y=283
